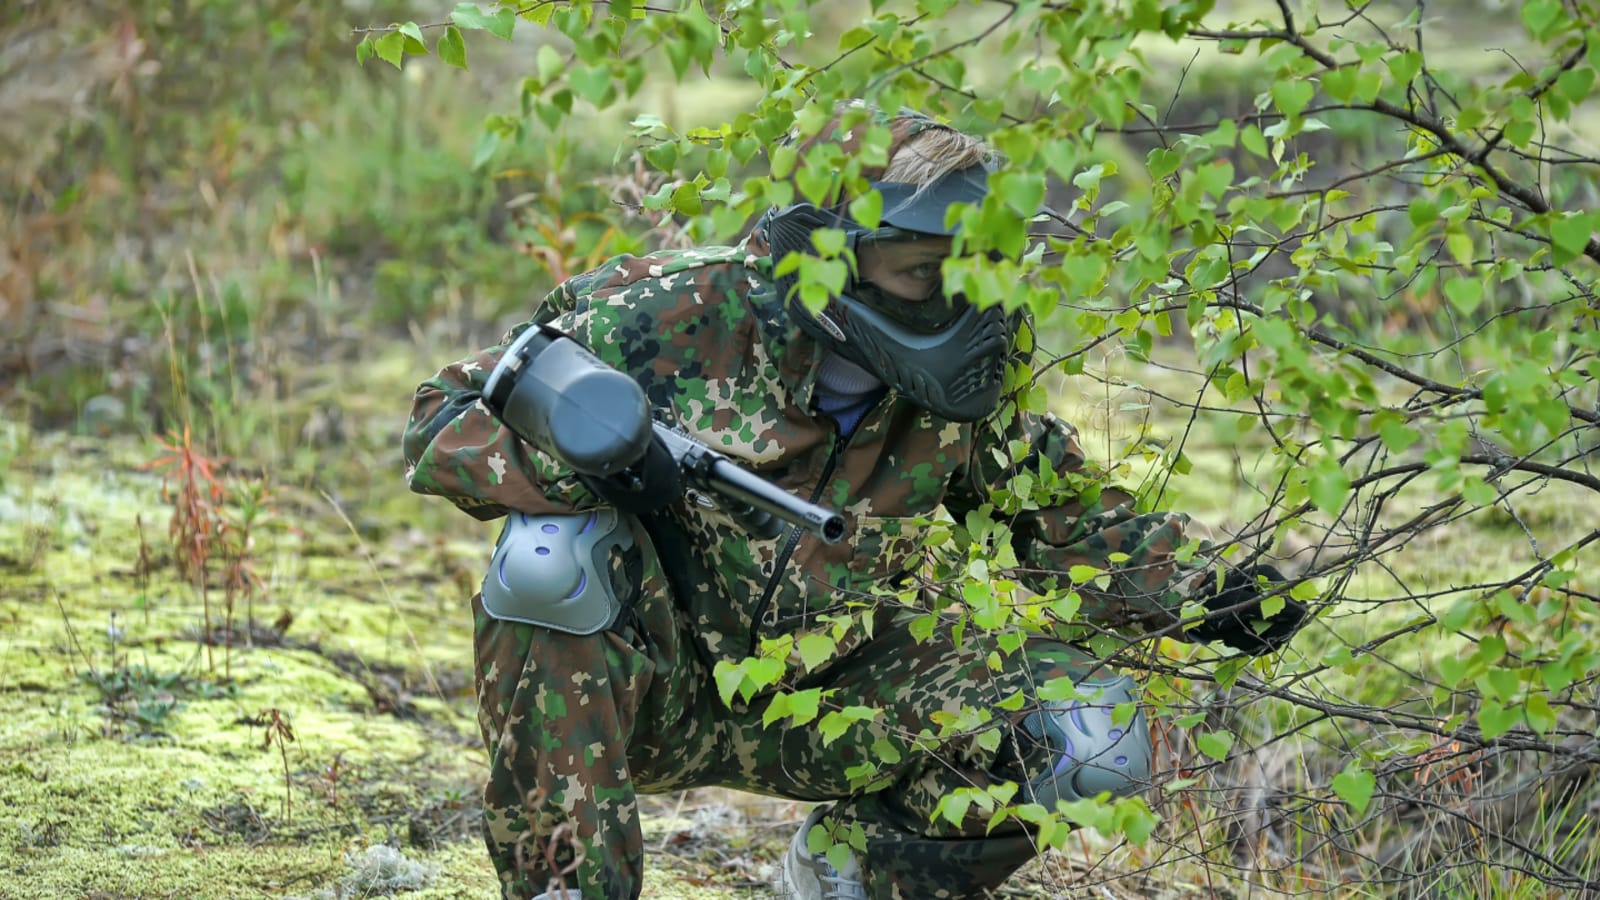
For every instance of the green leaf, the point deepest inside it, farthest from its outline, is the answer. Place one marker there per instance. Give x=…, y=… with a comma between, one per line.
x=1081, y=574
x=803, y=705
x=1556, y=675
x=1464, y=294
x=1495, y=720
x=452, y=49
x=1570, y=237
x=1292, y=97
x=1340, y=84
x=1210, y=268
x=816, y=649
x=1575, y=84
x=488, y=143
x=728, y=676
x=662, y=156
x=686, y=199
x=1397, y=436
x=1216, y=177
x=836, y=722
x=1329, y=486
x=953, y=806
x=500, y=24
x=364, y=50
x=539, y=14
x=1355, y=786
x=1223, y=136
x=776, y=709
x=1422, y=212
x=1540, y=15
x=1135, y=820
x=1499, y=684
x=1215, y=744
x=765, y=672
x=1405, y=66
x=1338, y=656
x=548, y=63
x=1541, y=717
x=390, y=48
x=1022, y=191
x=867, y=209
x=1162, y=162
x=1252, y=139
x=830, y=242
x=839, y=856
x=592, y=83
x=1089, y=179
x=413, y=31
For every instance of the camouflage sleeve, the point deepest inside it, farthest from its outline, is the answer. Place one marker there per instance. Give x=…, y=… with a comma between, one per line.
x=1088, y=523
x=455, y=449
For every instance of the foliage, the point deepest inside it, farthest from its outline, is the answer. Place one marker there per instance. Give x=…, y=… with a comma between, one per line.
x=271, y=214
x=1381, y=260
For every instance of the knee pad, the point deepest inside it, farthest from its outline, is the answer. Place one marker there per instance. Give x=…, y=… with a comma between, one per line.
x=555, y=571
x=1071, y=749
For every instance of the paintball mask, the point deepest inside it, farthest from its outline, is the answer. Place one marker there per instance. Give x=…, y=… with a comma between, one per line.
x=940, y=351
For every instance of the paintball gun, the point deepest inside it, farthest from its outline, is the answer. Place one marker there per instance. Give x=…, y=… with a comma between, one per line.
x=556, y=395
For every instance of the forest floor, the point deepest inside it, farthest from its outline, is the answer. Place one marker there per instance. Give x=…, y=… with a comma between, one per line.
x=320, y=744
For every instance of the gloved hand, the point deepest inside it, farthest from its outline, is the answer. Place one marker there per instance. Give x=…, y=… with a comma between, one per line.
x=653, y=483
x=1237, y=628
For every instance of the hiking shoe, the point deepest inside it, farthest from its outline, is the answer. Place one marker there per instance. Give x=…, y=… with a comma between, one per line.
x=808, y=876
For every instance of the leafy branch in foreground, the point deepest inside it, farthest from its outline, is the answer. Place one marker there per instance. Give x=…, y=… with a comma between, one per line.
x=1364, y=259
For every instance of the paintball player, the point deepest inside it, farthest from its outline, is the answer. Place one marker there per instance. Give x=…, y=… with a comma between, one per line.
x=881, y=406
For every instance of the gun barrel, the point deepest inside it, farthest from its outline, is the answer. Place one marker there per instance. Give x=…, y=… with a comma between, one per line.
x=727, y=478
x=718, y=474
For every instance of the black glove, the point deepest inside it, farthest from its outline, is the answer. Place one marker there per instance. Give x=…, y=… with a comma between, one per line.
x=653, y=483
x=1241, y=589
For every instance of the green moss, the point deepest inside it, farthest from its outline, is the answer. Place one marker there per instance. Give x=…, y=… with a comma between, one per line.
x=132, y=759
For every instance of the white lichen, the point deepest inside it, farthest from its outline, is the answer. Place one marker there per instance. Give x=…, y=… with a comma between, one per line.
x=379, y=870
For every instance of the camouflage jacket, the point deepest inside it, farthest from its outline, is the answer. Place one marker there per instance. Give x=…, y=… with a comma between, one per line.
x=706, y=336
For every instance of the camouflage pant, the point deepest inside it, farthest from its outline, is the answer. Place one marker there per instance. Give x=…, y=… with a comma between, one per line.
x=578, y=726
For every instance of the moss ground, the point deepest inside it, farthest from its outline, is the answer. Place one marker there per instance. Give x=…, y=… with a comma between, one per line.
x=137, y=761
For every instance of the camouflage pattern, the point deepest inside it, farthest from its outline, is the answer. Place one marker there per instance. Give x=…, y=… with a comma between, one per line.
x=577, y=726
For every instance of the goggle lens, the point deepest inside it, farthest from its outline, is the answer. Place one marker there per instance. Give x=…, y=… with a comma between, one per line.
x=929, y=316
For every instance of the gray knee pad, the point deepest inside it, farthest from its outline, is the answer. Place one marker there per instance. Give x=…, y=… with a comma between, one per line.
x=1071, y=749
x=555, y=571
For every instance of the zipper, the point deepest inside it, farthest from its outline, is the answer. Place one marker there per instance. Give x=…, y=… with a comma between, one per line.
x=789, y=546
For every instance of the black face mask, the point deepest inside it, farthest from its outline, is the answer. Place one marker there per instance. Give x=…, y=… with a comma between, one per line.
x=942, y=353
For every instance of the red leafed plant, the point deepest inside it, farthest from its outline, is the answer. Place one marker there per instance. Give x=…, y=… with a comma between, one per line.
x=191, y=484
x=213, y=527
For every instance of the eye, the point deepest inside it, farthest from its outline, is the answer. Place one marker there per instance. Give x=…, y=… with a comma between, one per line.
x=925, y=272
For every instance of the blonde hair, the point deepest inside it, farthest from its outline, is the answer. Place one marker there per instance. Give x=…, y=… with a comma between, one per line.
x=932, y=153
